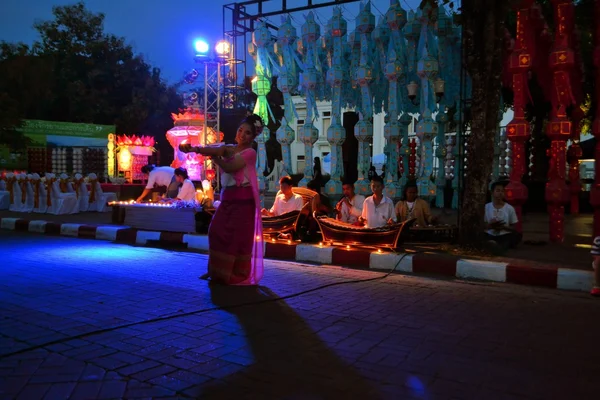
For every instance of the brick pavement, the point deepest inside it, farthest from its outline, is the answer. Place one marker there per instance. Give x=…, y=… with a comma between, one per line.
x=399, y=338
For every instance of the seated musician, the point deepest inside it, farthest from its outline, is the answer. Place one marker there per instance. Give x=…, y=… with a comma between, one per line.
x=501, y=219
x=321, y=205
x=411, y=206
x=349, y=208
x=378, y=210
x=286, y=201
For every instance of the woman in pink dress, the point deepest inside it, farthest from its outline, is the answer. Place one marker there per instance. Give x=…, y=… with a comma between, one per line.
x=235, y=232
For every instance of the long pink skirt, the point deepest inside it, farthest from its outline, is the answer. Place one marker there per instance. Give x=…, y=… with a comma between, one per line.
x=233, y=241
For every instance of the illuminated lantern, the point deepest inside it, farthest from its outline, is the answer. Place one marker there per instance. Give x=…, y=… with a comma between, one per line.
x=210, y=174
x=124, y=159
x=111, y=155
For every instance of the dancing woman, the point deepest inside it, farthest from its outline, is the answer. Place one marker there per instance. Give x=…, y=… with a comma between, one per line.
x=235, y=233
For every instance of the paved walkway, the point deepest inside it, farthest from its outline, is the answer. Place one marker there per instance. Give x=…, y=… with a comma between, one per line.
x=131, y=322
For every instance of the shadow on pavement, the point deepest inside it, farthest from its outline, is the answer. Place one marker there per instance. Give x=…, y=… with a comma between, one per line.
x=289, y=360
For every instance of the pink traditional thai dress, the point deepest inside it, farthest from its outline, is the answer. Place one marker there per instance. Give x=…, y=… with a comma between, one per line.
x=235, y=232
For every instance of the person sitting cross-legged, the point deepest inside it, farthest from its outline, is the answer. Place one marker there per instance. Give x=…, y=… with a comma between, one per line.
x=378, y=210
x=501, y=219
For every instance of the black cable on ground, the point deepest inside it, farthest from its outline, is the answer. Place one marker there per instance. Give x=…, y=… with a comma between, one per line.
x=204, y=310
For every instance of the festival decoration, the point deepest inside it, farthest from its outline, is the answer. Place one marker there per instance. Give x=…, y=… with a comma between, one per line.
x=132, y=154
x=309, y=79
x=337, y=76
x=111, y=155
x=363, y=130
x=189, y=128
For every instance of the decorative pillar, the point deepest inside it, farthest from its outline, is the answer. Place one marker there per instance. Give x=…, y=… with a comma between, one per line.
x=405, y=149
x=595, y=191
x=261, y=162
x=574, y=154
x=363, y=130
x=391, y=131
x=308, y=81
x=285, y=136
x=497, y=148
x=562, y=61
x=440, y=152
x=287, y=80
x=458, y=157
x=518, y=130
x=427, y=128
x=336, y=77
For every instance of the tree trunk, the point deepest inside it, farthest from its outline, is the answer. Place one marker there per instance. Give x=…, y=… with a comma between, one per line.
x=483, y=29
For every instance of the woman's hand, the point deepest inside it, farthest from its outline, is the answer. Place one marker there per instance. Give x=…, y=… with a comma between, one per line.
x=186, y=148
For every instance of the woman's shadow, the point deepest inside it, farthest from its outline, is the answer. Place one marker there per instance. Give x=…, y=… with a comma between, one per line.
x=289, y=360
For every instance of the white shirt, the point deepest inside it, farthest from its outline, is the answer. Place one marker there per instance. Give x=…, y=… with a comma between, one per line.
x=282, y=206
x=187, y=191
x=507, y=214
x=378, y=216
x=351, y=214
x=160, y=176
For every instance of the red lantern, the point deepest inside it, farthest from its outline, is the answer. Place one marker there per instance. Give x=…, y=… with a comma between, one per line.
x=210, y=174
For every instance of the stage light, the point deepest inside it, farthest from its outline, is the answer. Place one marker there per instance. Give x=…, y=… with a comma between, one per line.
x=223, y=48
x=201, y=47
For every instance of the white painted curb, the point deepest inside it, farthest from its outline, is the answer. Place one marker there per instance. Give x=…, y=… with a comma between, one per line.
x=108, y=232
x=70, y=229
x=480, y=269
x=9, y=223
x=143, y=236
x=319, y=254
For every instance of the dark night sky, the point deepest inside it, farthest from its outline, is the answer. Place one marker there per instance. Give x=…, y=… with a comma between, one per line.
x=162, y=30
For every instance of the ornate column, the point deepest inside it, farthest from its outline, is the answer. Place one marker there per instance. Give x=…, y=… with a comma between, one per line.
x=336, y=76
x=497, y=149
x=261, y=162
x=458, y=158
x=574, y=154
x=427, y=128
x=391, y=131
x=562, y=61
x=595, y=191
x=518, y=130
x=308, y=81
x=363, y=130
x=440, y=180
x=285, y=136
x=405, y=121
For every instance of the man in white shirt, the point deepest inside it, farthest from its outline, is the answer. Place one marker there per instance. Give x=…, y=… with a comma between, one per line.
x=159, y=176
x=187, y=191
x=501, y=219
x=349, y=208
x=378, y=210
x=286, y=201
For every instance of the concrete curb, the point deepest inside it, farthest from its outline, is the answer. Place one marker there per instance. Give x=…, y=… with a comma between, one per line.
x=417, y=263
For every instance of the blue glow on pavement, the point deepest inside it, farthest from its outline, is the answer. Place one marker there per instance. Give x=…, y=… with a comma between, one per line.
x=416, y=385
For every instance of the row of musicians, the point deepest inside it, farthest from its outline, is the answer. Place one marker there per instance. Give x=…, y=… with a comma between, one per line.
x=372, y=212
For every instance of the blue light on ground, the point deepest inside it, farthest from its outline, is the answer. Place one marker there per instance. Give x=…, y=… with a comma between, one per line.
x=416, y=386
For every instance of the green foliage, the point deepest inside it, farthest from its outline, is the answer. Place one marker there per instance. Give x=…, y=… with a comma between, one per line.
x=79, y=73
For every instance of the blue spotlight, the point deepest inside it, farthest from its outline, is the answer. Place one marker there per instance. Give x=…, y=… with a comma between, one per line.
x=201, y=47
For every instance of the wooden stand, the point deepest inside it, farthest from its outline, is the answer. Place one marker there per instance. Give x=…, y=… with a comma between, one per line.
x=160, y=218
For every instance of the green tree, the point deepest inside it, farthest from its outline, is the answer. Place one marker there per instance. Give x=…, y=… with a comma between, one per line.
x=79, y=73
